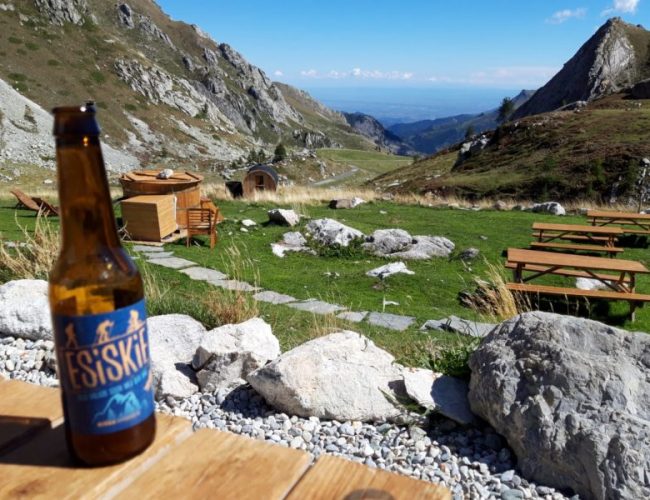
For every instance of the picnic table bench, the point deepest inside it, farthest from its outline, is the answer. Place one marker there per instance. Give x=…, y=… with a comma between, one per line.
x=34, y=463
x=620, y=283
x=597, y=239
x=640, y=222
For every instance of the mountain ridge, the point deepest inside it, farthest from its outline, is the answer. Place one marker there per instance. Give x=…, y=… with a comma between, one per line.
x=166, y=91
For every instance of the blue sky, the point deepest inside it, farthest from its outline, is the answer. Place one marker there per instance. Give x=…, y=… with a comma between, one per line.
x=423, y=43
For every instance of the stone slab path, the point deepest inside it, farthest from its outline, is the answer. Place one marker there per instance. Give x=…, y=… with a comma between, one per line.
x=165, y=258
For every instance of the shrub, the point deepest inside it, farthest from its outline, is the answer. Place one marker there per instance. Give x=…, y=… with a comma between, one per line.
x=15, y=40
x=53, y=62
x=98, y=77
x=32, y=46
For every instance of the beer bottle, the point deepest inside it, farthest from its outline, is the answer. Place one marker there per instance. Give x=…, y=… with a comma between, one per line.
x=97, y=303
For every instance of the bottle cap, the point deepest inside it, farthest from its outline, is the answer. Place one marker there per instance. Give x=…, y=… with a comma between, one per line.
x=75, y=120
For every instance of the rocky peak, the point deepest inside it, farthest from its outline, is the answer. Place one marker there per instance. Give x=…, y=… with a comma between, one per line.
x=61, y=12
x=608, y=62
x=130, y=20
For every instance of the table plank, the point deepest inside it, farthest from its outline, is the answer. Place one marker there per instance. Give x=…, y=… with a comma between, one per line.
x=520, y=256
x=42, y=468
x=337, y=478
x=605, y=214
x=578, y=229
x=26, y=409
x=214, y=464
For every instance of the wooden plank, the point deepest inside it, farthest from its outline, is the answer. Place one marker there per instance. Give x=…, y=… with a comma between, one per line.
x=213, y=464
x=576, y=292
x=567, y=272
x=576, y=228
x=573, y=237
x=569, y=246
x=334, y=477
x=42, y=468
x=518, y=255
x=605, y=214
x=26, y=409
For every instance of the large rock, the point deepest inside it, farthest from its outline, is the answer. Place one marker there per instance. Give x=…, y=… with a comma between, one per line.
x=329, y=232
x=227, y=354
x=342, y=376
x=61, y=12
x=173, y=340
x=283, y=217
x=426, y=247
x=459, y=325
x=549, y=207
x=572, y=397
x=25, y=310
x=439, y=393
x=387, y=241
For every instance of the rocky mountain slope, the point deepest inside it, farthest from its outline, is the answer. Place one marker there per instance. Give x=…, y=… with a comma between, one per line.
x=589, y=153
x=370, y=127
x=166, y=91
x=430, y=136
x=614, y=58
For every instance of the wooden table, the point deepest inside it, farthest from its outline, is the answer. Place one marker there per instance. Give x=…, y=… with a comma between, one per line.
x=594, y=234
x=542, y=263
x=180, y=463
x=640, y=222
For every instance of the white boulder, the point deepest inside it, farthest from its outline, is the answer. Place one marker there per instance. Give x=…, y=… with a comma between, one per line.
x=330, y=232
x=227, y=354
x=25, y=310
x=388, y=270
x=342, y=376
x=173, y=340
x=283, y=217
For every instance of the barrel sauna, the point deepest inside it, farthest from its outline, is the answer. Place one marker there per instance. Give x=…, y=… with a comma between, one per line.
x=184, y=185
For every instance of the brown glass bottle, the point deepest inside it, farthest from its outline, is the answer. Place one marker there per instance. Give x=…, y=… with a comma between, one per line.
x=96, y=299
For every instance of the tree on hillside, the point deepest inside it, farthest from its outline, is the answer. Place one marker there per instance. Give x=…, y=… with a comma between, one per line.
x=506, y=109
x=469, y=132
x=280, y=153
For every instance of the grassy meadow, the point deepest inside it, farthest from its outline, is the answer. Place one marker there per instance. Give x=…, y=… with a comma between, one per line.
x=431, y=293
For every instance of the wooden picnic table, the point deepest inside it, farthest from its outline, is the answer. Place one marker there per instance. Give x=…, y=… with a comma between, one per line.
x=546, y=232
x=592, y=267
x=34, y=463
x=620, y=285
x=641, y=222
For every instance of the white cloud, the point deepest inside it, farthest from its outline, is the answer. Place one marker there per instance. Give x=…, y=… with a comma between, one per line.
x=524, y=76
x=564, y=15
x=622, y=6
x=359, y=74
x=278, y=72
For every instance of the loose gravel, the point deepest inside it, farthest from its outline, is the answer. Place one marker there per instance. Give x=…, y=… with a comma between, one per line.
x=472, y=462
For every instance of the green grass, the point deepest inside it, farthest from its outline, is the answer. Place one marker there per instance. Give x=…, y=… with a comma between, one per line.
x=369, y=163
x=431, y=293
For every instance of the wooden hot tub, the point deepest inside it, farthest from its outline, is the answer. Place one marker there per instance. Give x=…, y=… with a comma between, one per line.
x=184, y=185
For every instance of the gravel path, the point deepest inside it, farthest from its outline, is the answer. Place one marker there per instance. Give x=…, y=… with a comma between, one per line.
x=473, y=462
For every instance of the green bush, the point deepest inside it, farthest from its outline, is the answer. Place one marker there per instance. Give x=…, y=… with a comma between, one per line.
x=53, y=62
x=17, y=77
x=32, y=46
x=20, y=86
x=130, y=107
x=15, y=40
x=453, y=360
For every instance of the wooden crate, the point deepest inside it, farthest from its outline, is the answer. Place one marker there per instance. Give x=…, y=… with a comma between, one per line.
x=149, y=217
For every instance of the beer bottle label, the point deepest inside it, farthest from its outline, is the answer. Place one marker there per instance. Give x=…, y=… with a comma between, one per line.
x=104, y=369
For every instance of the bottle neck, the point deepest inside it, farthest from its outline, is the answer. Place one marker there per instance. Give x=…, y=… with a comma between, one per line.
x=87, y=219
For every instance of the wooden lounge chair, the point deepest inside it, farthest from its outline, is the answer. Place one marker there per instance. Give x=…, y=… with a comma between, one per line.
x=34, y=204
x=201, y=221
